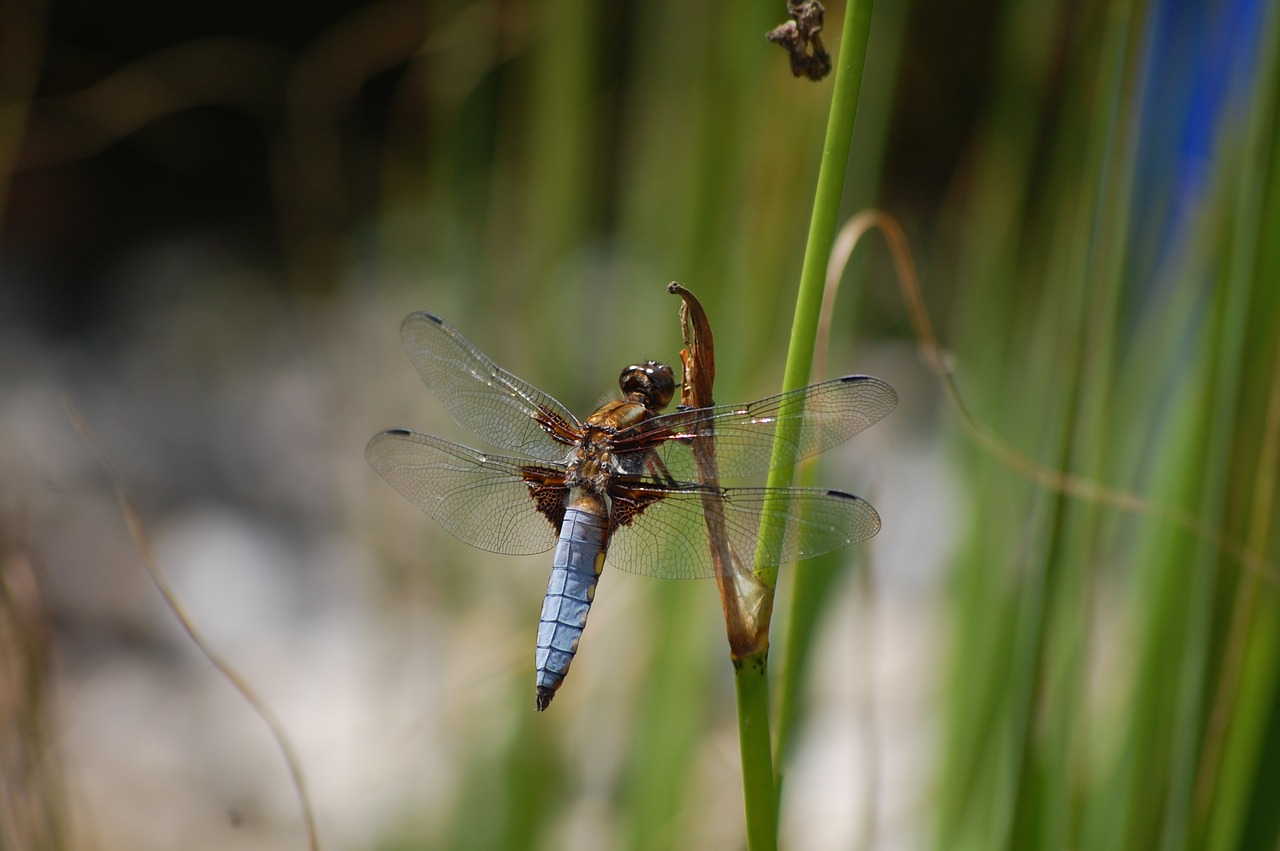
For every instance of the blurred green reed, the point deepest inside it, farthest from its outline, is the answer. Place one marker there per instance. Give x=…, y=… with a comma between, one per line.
x=1111, y=678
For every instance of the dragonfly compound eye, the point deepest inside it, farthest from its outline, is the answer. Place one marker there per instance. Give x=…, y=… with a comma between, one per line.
x=652, y=380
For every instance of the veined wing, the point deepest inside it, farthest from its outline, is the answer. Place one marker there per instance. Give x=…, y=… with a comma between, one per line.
x=486, y=400
x=504, y=505
x=667, y=536
x=822, y=415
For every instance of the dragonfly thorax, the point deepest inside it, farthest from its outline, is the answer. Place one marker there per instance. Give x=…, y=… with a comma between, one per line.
x=592, y=462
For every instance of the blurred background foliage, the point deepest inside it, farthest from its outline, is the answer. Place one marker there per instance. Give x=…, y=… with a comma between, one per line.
x=214, y=217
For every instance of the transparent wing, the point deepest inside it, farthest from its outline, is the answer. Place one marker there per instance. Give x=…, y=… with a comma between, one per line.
x=485, y=500
x=486, y=400
x=822, y=415
x=669, y=538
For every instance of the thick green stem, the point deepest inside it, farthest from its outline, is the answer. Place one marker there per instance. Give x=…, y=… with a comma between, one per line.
x=826, y=202
x=751, y=679
x=822, y=228
x=750, y=671
x=822, y=231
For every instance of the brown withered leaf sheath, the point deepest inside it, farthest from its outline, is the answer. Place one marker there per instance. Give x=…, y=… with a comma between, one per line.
x=746, y=615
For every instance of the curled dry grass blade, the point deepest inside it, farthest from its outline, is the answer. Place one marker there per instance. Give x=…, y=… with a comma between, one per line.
x=143, y=544
x=1251, y=554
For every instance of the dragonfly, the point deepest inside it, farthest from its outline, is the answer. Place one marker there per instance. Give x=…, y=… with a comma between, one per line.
x=622, y=485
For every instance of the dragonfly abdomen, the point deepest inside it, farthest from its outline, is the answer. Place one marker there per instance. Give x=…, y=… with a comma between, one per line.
x=575, y=568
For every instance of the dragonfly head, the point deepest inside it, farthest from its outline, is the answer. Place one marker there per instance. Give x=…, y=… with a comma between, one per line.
x=650, y=383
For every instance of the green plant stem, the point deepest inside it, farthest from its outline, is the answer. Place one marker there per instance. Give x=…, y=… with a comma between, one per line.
x=822, y=232
x=751, y=680
x=822, y=226
x=751, y=671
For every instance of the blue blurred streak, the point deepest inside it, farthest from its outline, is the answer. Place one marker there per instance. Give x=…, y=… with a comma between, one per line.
x=1201, y=66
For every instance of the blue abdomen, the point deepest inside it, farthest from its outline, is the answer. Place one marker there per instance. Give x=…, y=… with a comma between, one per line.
x=579, y=556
